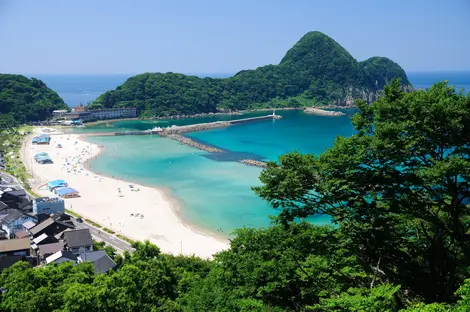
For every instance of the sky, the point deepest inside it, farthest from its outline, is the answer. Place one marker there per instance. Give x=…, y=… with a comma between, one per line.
x=214, y=36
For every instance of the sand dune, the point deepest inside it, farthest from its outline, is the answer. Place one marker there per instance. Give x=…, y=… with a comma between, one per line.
x=101, y=201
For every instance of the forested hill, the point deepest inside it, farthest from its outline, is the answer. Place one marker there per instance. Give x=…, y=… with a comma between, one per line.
x=27, y=99
x=315, y=71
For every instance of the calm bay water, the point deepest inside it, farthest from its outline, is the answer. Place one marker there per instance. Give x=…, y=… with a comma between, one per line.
x=213, y=190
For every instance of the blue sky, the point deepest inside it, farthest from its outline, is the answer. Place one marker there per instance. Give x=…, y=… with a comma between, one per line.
x=214, y=36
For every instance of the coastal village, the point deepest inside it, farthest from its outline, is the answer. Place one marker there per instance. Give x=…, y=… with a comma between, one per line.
x=38, y=231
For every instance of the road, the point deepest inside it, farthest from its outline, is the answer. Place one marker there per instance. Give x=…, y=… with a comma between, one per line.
x=117, y=243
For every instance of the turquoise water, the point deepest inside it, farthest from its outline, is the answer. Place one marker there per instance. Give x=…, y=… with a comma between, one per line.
x=213, y=190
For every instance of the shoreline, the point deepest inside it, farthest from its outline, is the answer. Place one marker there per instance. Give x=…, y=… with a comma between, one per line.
x=165, y=192
x=163, y=223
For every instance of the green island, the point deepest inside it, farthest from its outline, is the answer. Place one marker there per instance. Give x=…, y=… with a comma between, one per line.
x=316, y=71
x=398, y=196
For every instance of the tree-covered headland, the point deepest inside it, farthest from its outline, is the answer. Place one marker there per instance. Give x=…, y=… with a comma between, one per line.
x=24, y=100
x=315, y=71
x=397, y=193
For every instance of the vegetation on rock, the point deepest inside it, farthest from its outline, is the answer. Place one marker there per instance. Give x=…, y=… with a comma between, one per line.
x=315, y=71
x=27, y=99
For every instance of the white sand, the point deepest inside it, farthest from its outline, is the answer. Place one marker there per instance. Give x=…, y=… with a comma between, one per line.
x=100, y=200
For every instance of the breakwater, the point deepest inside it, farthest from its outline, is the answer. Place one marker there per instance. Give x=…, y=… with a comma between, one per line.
x=252, y=162
x=189, y=142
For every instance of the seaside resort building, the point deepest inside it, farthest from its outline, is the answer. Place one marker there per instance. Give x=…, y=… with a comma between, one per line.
x=100, y=114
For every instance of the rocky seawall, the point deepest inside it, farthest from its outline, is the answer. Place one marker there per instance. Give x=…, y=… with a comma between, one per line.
x=321, y=112
x=252, y=162
x=189, y=142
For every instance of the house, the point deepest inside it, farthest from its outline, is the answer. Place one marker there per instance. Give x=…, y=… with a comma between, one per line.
x=48, y=205
x=22, y=234
x=43, y=239
x=50, y=226
x=78, y=241
x=12, y=220
x=47, y=250
x=14, y=247
x=100, y=260
x=61, y=256
x=14, y=197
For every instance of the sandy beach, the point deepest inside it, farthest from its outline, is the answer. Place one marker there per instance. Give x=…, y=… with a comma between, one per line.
x=110, y=202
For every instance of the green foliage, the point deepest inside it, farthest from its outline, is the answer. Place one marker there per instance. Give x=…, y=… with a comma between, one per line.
x=382, y=71
x=315, y=71
x=398, y=189
x=27, y=99
x=397, y=195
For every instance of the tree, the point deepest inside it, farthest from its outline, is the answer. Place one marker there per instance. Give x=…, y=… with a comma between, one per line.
x=7, y=122
x=398, y=189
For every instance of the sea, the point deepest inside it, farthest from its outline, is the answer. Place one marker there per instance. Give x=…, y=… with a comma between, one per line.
x=213, y=191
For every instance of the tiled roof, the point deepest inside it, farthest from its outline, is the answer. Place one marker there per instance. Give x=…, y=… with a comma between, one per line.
x=78, y=238
x=8, y=245
x=61, y=254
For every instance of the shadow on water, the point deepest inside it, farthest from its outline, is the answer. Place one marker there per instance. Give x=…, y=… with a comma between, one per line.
x=227, y=155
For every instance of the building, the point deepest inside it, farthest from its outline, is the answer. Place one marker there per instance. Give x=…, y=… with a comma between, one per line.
x=78, y=241
x=114, y=113
x=100, y=260
x=80, y=109
x=50, y=226
x=61, y=256
x=59, y=113
x=14, y=247
x=51, y=185
x=67, y=192
x=47, y=250
x=12, y=221
x=48, y=205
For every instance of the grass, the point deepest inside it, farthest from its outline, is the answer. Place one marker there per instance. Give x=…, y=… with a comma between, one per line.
x=108, y=230
x=76, y=215
x=93, y=223
x=126, y=239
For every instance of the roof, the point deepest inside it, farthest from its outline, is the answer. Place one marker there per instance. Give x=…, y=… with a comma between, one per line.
x=17, y=193
x=11, y=215
x=50, y=221
x=29, y=224
x=61, y=254
x=3, y=205
x=50, y=248
x=65, y=190
x=56, y=183
x=41, y=226
x=21, y=234
x=101, y=261
x=40, y=238
x=7, y=245
x=78, y=238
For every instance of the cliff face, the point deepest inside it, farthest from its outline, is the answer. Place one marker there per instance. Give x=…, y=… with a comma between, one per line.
x=316, y=70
